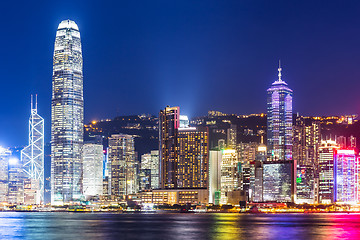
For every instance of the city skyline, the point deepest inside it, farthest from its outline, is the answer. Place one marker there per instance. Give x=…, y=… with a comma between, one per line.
x=197, y=52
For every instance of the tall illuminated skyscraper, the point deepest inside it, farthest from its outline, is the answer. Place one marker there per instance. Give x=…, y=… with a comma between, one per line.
x=67, y=115
x=168, y=131
x=279, y=120
x=193, y=158
x=280, y=170
x=32, y=156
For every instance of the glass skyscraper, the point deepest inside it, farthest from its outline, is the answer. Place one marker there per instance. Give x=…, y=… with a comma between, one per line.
x=32, y=156
x=279, y=170
x=279, y=121
x=67, y=115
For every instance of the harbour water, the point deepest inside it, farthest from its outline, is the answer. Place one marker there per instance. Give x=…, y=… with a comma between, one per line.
x=222, y=226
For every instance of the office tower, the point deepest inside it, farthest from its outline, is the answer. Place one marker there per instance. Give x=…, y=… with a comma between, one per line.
x=345, y=176
x=154, y=166
x=67, y=115
x=93, y=158
x=32, y=156
x=279, y=120
x=168, y=130
x=229, y=180
x=145, y=172
x=215, y=158
x=122, y=161
x=192, y=158
x=4, y=177
x=280, y=170
x=149, y=170
x=326, y=171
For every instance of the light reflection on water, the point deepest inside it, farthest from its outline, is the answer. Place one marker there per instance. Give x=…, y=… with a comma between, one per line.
x=89, y=226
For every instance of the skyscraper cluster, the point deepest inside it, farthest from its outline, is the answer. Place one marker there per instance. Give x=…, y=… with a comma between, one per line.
x=218, y=159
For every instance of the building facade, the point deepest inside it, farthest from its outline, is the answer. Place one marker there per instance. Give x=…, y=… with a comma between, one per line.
x=155, y=167
x=345, y=176
x=169, y=122
x=192, y=158
x=67, y=115
x=93, y=158
x=326, y=171
x=123, y=179
x=229, y=180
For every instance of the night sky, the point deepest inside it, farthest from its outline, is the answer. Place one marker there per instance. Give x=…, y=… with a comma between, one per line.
x=140, y=56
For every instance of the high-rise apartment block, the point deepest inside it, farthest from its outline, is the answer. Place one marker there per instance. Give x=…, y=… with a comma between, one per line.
x=67, y=115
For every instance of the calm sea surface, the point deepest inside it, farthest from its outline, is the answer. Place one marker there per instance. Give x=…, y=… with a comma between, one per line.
x=16, y=225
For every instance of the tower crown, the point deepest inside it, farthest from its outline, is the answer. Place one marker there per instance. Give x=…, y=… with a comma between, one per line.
x=68, y=24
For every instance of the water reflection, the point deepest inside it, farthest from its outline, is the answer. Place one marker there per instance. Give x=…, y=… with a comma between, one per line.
x=98, y=226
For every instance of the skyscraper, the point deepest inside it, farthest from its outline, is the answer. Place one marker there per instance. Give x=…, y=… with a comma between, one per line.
x=280, y=170
x=345, y=176
x=193, y=158
x=154, y=166
x=32, y=156
x=229, y=180
x=327, y=150
x=279, y=120
x=123, y=169
x=67, y=115
x=184, y=152
x=93, y=158
x=168, y=130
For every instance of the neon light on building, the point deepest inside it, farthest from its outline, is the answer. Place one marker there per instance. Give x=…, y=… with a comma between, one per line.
x=345, y=176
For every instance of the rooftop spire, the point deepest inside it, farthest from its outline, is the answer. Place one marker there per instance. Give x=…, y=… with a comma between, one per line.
x=279, y=69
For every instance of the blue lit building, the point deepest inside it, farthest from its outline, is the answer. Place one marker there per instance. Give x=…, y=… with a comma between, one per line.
x=279, y=120
x=279, y=170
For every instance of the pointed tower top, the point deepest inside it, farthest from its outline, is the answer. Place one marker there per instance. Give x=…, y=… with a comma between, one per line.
x=36, y=102
x=32, y=107
x=31, y=102
x=279, y=69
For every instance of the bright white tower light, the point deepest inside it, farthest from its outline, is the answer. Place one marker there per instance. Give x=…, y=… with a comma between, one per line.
x=32, y=156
